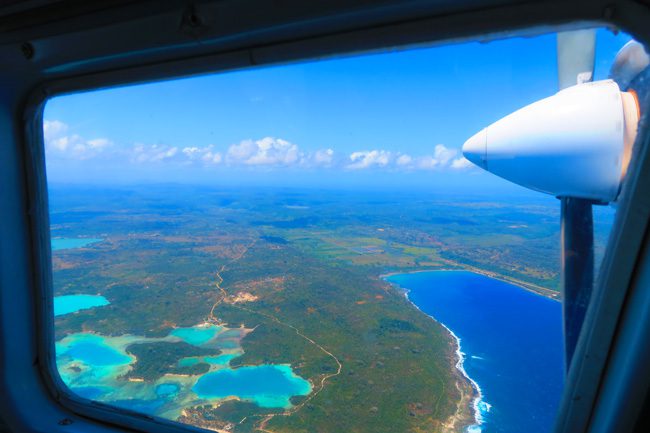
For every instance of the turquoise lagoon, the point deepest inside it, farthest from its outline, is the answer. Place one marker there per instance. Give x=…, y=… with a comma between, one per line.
x=167, y=389
x=71, y=303
x=197, y=335
x=92, y=366
x=221, y=359
x=92, y=350
x=70, y=243
x=214, y=360
x=88, y=362
x=265, y=385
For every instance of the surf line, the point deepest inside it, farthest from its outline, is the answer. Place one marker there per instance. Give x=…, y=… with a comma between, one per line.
x=478, y=405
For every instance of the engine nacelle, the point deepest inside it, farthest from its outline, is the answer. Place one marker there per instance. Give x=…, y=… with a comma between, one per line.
x=576, y=143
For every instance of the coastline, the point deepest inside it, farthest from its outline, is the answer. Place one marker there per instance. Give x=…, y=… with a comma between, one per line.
x=477, y=397
x=477, y=401
x=537, y=290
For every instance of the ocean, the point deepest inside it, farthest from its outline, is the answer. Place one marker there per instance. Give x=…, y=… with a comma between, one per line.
x=511, y=340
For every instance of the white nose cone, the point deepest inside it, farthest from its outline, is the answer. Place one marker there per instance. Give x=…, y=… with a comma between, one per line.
x=475, y=149
x=570, y=144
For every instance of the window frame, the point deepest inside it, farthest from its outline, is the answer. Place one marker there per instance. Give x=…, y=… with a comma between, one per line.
x=618, y=266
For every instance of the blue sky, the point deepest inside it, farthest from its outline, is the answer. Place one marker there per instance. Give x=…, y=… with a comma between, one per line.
x=393, y=119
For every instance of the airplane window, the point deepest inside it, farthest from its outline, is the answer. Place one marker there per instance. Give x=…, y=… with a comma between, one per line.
x=361, y=244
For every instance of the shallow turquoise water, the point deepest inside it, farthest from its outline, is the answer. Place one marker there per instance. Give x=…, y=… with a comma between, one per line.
x=92, y=350
x=221, y=359
x=93, y=366
x=71, y=303
x=69, y=243
x=196, y=335
x=167, y=389
x=188, y=362
x=266, y=385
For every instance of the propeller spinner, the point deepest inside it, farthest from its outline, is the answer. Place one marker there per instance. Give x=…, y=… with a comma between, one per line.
x=575, y=143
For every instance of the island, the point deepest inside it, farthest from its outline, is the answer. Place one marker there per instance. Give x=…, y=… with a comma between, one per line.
x=241, y=310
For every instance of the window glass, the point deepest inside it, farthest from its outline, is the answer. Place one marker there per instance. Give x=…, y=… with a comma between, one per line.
x=305, y=247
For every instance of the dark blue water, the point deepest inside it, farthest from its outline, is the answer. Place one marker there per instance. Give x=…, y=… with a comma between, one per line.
x=512, y=340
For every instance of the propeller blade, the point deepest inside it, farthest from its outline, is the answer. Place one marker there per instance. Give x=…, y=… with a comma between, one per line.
x=629, y=62
x=577, y=234
x=575, y=65
x=575, y=57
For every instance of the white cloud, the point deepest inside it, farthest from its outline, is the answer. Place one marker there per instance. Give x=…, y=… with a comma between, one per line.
x=268, y=151
x=192, y=152
x=461, y=163
x=98, y=143
x=212, y=157
x=323, y=157
x=369, y=158
x=443, y=154
x=53, y=129
x=147, y=153
x=427, y=163
x=205, y=154
x=442, y=158
x=404, y=160
x=60, y=144
x=165, y=154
